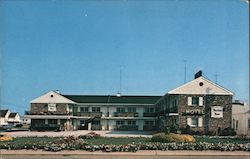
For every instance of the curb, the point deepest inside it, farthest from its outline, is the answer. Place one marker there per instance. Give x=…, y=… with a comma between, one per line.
x=138, y=153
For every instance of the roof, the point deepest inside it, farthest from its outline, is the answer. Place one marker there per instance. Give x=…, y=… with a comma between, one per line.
x=3, y=112
x=12, y=115
x=113, y=99
x=52, y=97
x=201, y=85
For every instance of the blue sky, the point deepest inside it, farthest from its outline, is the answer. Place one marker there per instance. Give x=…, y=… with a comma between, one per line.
x=77, y=47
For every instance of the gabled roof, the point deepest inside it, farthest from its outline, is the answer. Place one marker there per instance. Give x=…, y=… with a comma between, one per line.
x=3, y=112
x=52, y=97
x=201, y=85
x=113, y=99
x=12, y=115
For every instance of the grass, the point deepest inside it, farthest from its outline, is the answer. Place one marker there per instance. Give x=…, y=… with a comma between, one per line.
x=221, y=140
x=117, y=141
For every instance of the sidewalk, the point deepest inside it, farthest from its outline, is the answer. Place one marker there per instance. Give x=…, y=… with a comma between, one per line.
x=139, y=153
x=79, y=132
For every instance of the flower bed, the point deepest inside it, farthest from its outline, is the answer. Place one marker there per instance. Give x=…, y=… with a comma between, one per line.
x=78, y=143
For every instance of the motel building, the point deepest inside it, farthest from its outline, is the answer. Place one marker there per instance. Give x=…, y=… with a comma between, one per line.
x=201, y=104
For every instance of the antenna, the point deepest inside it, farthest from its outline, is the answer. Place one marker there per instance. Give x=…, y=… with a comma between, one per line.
x=216, y=77
x=185, y=70
x=120, y=83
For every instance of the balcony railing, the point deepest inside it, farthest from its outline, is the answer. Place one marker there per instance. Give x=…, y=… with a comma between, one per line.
x=90, y=114
x=145, y=114
x=126, y=114
x=126, y=127
x=47, y=113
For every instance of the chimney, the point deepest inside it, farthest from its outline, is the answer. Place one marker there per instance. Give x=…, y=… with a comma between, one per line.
x=198, y=74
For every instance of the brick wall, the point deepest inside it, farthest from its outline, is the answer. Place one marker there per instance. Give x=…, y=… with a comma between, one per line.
x=42, y=108
x=208, y=123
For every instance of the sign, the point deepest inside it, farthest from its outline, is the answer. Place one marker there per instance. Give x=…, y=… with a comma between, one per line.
x=194, y=112
x=51, y=107
x=217, y=112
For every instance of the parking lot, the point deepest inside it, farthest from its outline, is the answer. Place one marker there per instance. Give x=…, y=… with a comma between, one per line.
x=80, y=132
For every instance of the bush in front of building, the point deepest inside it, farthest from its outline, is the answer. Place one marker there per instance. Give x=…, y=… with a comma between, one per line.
x=90, y=135
x=5, y=137
x=171, y=137
x=227, y=132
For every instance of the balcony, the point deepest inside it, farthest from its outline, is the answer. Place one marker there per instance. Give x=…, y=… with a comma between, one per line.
x=145, y=114
x=90, y=114
x=126, y=127
x=126, y=114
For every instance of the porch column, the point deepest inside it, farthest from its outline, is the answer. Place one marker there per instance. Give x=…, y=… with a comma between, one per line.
x=89, y=126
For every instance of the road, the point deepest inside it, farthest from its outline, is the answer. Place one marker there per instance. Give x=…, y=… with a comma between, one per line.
x=119, y=157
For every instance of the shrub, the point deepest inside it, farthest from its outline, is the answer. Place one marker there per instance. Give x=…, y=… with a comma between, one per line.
x=171, y=137
x=90, y=135
x=5, y=137
x=227, y=132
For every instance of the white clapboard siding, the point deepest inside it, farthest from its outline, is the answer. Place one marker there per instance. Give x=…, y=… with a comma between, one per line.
x=189, y=100
x=200, y=122
x=200, y=101
x=189, y=121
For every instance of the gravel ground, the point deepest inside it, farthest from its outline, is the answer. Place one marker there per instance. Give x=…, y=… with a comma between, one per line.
x=80, y=132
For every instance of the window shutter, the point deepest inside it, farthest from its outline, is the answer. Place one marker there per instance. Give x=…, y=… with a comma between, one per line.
x=189, y=121
x=200, y=122
x=189, y=100
x=200, y=101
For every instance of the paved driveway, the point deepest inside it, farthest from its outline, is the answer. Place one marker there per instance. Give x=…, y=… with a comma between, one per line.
x=81, y=132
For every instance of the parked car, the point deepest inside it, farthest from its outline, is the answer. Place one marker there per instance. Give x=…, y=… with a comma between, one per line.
x=6, y=127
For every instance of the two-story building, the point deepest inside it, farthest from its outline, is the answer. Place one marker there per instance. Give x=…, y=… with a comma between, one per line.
x=200, y=104
x=93, y=112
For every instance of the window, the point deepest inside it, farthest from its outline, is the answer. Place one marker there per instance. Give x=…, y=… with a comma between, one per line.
x=131, y=122
x=149, y=123
x=237, y=125
x=96, y=109
x=84, y=109
x=195, y=101
x=234, y=124
x=52, y=121
x=120, y=110
x=52, y=107
x=96, y=122
x=248, y=123
x=194, y=122
x=149, y=110
x=131, y=109
x=120, y=122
